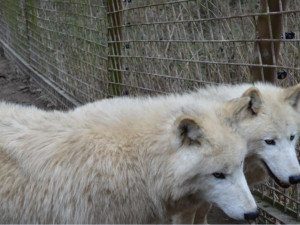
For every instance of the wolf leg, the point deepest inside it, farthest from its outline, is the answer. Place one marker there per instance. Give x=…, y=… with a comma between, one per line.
x=186, y=217
x=201, y=213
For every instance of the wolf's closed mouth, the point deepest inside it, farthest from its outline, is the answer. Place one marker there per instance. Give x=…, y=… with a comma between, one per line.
x=279, y=182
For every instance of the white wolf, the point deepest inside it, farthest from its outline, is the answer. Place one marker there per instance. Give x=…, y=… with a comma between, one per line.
x=272, y=136
x=124, y=160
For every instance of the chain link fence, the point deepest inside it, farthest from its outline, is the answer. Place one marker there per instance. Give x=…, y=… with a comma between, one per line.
x=83, y=50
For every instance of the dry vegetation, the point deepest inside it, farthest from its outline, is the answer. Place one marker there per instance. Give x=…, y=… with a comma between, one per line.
x=184, y=44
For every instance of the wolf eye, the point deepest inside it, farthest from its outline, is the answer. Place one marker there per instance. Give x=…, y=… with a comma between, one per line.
x=219, y=175
x=292, y=137
x=270, y=142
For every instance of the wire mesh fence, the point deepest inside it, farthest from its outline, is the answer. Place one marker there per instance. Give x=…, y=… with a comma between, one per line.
x=83, y=50
x=177, y=45
x=61, y=41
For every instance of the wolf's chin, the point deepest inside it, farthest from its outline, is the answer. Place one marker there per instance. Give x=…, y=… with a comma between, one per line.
x=279, y=182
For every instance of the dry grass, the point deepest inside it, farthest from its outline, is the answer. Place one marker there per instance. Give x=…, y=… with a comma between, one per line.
x=179, y=46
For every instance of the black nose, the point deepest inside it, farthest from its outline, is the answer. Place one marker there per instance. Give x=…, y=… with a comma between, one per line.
x=294, y=179
x=251, y=215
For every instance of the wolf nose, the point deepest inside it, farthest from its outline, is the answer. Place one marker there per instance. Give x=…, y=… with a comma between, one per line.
x=251, y=215
x=294, y=179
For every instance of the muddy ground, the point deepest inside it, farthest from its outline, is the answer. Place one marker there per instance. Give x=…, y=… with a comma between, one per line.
x=18, y=88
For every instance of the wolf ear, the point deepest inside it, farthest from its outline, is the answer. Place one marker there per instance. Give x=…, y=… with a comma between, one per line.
x=238, y=108
x=255, y=99
x=188, y=132
x=292, y=96
x=247, y=106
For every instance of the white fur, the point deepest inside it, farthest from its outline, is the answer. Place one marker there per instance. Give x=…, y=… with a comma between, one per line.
x=121, y=160
x=277, y=120
x=276, y=116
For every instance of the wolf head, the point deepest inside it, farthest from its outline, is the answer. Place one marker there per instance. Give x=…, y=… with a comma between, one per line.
x=209, y=157
x=272, y=133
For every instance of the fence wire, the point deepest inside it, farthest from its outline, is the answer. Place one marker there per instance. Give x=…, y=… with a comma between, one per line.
x=172, y=46
x=61, y=40
x=83, y=50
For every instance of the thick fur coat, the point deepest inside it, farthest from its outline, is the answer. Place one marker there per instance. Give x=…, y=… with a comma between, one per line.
x=271, y=135
x=124, y=160
x=277, y=118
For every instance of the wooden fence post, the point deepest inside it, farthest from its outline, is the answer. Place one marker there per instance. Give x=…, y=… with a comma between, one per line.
x=115, y=47
x=268, y=27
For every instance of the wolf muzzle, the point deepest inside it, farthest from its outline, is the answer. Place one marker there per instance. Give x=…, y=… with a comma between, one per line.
x=251, y=215
x=294, y=179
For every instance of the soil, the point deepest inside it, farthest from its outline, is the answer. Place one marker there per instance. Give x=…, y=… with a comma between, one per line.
x=18, y=88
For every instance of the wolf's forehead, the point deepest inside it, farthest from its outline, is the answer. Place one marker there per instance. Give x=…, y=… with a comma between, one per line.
x=225, y=132
x=230, y=163
x=222, y=135
x=283, y=120
x=278, y=113
x=229, y=144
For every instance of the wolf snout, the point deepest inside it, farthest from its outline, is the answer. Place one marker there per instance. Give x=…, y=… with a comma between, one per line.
x=251, y=215
x=294, y=179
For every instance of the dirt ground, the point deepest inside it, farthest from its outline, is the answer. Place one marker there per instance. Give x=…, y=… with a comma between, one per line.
x=17, y=88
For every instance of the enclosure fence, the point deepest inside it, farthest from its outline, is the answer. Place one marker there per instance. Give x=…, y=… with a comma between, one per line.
x=83, y=50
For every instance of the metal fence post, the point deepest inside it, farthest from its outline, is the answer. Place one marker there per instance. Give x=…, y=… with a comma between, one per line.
x=114, y=46
x=268, y=27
